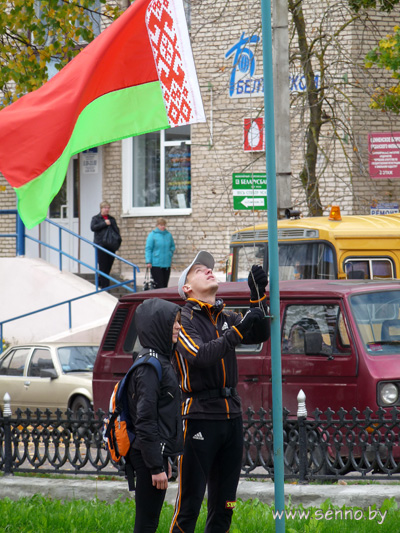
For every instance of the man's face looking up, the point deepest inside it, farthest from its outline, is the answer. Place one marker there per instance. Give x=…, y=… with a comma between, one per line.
x=200, y=282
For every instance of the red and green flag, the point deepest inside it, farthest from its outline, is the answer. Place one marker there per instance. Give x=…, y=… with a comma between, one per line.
x=137, y=76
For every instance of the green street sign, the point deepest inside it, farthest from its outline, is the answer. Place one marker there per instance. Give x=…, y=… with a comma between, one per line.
x=249, y=191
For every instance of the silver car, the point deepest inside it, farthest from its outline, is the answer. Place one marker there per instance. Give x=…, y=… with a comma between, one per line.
x=48, y=376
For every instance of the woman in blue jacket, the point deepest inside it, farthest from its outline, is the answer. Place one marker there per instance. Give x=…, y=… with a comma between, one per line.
x=159, y=250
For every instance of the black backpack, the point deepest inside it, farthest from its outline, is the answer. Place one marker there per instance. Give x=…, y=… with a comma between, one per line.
x=118, y=431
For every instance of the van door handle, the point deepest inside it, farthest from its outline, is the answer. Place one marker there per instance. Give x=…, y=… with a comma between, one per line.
x=27, y=383
x=252, y=380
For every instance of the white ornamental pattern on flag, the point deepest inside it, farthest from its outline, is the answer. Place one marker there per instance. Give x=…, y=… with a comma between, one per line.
x=166, y=41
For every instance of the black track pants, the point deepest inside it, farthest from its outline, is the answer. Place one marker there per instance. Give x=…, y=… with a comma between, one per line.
x=149, y=499
x=212, y=457
x=105, y=265
x=160, y=276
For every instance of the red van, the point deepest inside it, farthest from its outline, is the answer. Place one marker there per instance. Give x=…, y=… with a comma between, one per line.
x=340, y=344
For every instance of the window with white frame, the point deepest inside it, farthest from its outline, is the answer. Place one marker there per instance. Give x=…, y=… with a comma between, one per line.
x=156, y=173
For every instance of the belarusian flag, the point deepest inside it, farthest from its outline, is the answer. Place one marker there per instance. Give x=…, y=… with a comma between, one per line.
x=137, y=76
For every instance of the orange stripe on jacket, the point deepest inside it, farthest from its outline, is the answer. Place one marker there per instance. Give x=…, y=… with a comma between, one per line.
x=179, y=494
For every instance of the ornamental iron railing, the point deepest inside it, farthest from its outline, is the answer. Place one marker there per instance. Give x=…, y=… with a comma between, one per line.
x=328, y=445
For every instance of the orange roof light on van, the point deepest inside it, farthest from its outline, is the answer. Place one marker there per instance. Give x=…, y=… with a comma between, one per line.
x=335, y=213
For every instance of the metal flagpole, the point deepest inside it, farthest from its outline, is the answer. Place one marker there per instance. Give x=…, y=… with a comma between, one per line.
x=277, y=412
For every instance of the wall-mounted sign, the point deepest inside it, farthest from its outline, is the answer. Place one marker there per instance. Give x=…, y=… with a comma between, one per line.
x=384, y=208
x=384, y=155
x=244, y=81
x=253, y=135
x=90, y=161
x=249, y=191
x=297, y=82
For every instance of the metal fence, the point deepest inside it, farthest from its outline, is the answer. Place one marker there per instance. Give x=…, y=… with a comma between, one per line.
x=326, y=446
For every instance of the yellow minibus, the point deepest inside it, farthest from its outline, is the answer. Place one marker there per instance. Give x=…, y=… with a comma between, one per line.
x=331, y=247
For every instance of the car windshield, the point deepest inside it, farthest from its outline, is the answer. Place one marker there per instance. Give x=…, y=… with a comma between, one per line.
x=377, y=315
x=253, y=254
x=296, y=260
x=77, y=358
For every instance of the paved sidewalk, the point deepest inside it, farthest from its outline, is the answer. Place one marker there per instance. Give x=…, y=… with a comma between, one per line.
x=16, y=487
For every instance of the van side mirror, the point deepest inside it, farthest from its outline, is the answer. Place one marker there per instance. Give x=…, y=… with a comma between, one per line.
x=313, y=344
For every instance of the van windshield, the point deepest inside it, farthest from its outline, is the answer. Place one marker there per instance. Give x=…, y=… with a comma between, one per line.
x=296, y=260
x=377, y=315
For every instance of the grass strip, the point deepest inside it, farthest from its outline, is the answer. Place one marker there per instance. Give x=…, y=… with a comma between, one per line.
x=46, y=515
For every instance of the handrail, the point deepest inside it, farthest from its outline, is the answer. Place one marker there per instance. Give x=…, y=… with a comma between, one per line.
x=20, y=236
x=96, y=247
x=65, y=302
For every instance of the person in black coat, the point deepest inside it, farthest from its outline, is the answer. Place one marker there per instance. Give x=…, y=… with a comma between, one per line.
x=155, y=410
x=99, y=226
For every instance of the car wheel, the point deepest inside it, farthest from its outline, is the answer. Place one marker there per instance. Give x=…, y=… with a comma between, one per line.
x=80, y=402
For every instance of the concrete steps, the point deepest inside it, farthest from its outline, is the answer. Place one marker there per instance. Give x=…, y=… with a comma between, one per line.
x=27, y=285
x=117, y=292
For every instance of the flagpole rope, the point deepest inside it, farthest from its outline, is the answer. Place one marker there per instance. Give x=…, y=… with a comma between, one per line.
x=226, y=180
x=252, y=181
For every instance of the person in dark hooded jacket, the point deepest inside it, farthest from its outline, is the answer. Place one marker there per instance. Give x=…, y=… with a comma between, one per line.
x=99, y=225
x=154, y=407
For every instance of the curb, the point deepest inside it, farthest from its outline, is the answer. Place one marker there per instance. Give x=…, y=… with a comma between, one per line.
x=306, y=495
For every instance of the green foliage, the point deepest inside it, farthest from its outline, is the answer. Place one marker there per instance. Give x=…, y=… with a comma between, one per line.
x=30, y=515
x=387, y=56
x=35, y=33
x=382, y=5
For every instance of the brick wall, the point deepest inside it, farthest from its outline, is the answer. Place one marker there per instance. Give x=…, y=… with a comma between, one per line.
x=7, y=222
x=217, y=149
x=367, y=120
x=217, y=146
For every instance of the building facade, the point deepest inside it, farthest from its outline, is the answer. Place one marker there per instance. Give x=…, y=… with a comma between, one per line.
x=187, y=175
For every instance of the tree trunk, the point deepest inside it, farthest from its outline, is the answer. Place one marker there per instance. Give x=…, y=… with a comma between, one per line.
x=314, y=96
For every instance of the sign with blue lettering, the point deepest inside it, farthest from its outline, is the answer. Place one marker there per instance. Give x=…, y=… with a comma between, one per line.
x=297, y=82
x=384, y=208
x=249, y=191
x=244, y=82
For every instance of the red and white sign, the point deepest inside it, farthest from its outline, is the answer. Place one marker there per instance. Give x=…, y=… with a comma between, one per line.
x=254, y=137
x=384, y=155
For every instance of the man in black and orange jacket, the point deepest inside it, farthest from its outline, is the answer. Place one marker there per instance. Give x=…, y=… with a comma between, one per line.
x=207, y=368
